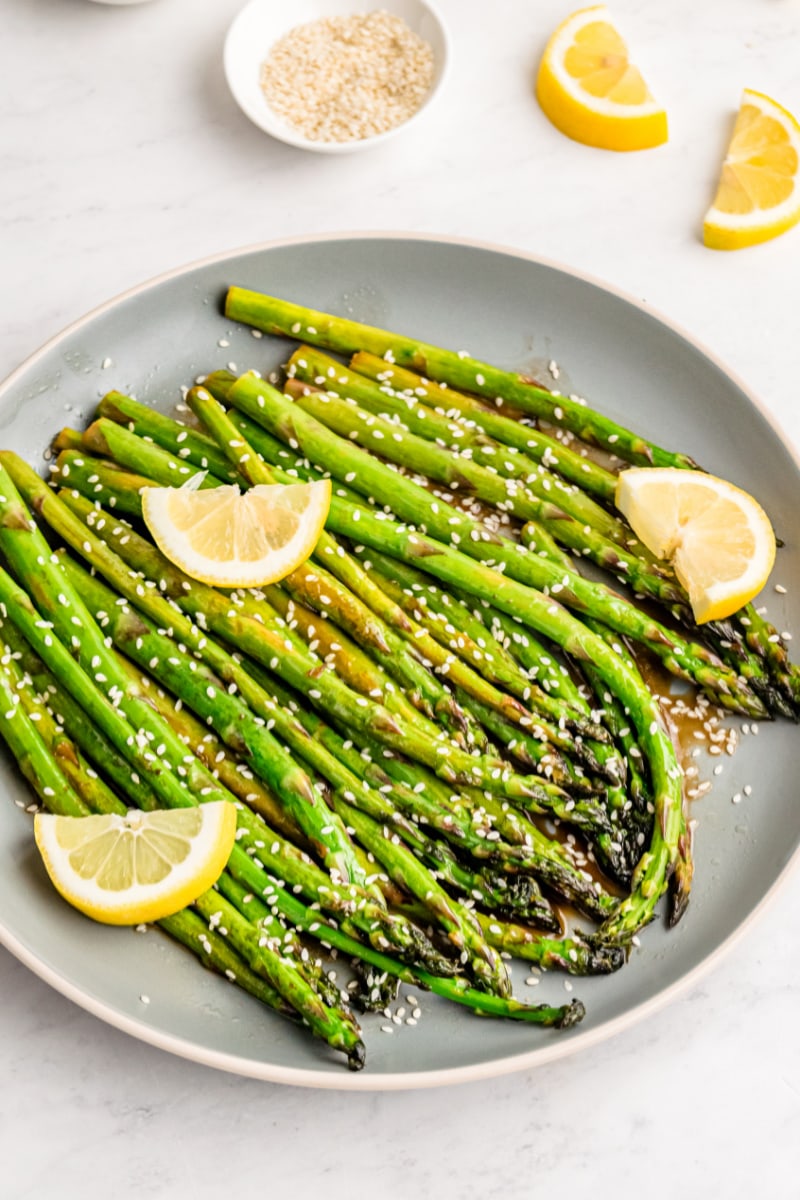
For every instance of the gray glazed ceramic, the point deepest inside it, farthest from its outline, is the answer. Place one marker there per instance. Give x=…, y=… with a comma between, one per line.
x=516, y=312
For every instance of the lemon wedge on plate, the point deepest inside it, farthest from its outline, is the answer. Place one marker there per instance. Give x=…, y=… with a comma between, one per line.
x=126, y=870
x=718, y=538
x=230, y=538
x=590, y=89
x=758, y=195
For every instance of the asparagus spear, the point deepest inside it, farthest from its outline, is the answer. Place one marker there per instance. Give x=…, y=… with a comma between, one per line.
x=556, y=724
x=334, y=1025
x=761, y=637
x=311, y=368
x=20, y=539
x=455, y=989
x=411, y=875
x=35, y=761
x=575, y=955
x=137, y=553
x=658, y=865
x=539, y=661
x=321, y=686
x=175, y=794
x=346, y=593
x=764, y=640
x=181, y=441
x=280, y=937
x=214, y=952
x=229, y=716
x=459, y=818
x=465, y=633
x=754, y=648
x=155, y=652
x=506, y=895
x=38, y=768
x=283, y=981
x=307, y=583
x=67, y=439
x=86, y=782
x=99, y=481
x=476, y=414
x=685, y=659
x=460, y=473
x=413, y=504
x=661, y=860
x=457, y=370
x=207, y=696
x=107, y=439
x=212, y=701
x=546, y=615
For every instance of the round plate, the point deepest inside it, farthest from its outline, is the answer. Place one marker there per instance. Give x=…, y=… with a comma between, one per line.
x=514, y=311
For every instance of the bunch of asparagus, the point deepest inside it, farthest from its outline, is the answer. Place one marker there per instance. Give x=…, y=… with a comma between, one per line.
x=435, y=731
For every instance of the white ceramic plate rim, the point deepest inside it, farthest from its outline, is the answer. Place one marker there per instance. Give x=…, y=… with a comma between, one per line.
x=301, y=1077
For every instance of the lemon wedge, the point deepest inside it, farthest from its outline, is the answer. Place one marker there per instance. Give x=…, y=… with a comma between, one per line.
x=758, y=196
x=590, y=89
x=126, y=870
x=230, y=538
x=718, y=538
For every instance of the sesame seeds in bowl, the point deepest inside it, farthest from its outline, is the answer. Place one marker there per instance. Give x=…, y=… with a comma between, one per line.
x=335, y=76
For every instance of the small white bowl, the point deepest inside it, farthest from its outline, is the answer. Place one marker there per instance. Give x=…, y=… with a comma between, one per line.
x=261, y=23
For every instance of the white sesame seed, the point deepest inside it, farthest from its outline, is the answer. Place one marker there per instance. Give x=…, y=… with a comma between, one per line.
x=346, y=78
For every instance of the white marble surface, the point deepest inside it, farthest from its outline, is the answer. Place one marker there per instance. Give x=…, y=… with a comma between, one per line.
x=126, y=156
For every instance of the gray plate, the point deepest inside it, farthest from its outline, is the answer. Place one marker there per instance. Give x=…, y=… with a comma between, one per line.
x=516, y=312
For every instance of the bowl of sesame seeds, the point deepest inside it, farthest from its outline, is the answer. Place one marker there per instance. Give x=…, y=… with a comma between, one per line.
x=334, y=76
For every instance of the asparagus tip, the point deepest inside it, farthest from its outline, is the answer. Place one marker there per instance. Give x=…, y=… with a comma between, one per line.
x=573, y=1013
x=356, y=1057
